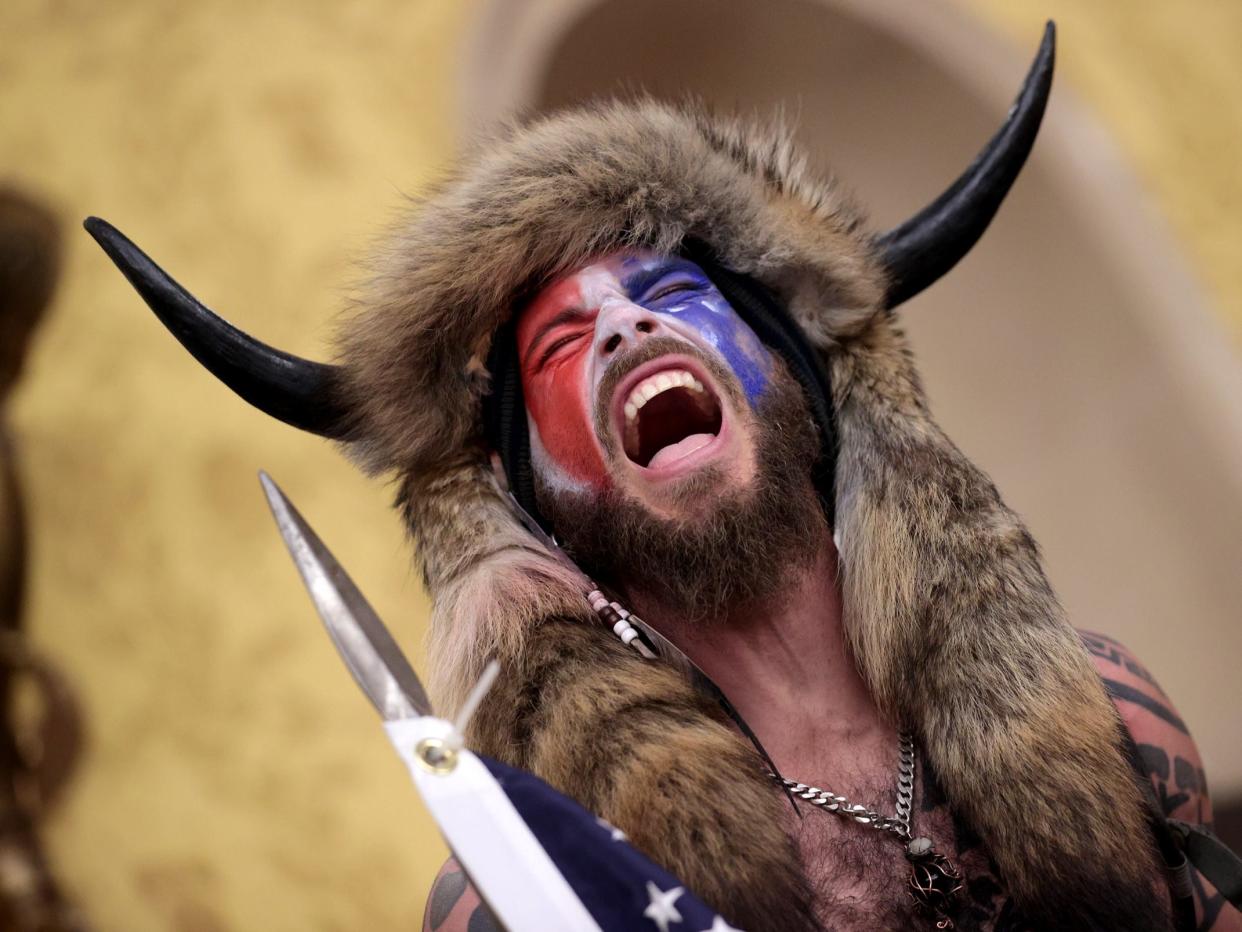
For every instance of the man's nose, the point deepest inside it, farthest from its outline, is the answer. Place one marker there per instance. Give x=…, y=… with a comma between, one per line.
x=623, y=325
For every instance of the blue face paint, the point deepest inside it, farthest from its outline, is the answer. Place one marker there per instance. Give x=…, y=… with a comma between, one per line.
x=678, y=288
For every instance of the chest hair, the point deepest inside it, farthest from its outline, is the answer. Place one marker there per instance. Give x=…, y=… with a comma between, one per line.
x=860, y=875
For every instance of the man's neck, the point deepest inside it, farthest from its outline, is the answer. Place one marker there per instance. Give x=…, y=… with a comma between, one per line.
x=784, y=665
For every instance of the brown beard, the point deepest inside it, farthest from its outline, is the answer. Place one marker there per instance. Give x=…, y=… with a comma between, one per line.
x=740, y=548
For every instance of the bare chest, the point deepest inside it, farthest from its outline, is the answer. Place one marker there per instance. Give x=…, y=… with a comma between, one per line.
x=860, y=875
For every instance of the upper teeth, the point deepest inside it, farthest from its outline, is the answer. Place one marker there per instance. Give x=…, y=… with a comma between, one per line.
x=653, y=385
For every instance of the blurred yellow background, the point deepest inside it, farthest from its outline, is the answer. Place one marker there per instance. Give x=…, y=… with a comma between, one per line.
x=236, y=778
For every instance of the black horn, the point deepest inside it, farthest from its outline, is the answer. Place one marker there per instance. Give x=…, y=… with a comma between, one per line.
x=297, y=391
x=930, y=243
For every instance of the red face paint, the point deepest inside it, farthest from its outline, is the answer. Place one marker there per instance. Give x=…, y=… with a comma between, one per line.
x=554, y=336
x=561, y=363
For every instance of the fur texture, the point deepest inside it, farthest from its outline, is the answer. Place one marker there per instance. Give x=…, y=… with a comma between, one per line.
x=939, y=576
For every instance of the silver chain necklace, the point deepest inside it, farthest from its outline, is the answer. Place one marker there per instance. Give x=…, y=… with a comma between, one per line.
x=935, y=881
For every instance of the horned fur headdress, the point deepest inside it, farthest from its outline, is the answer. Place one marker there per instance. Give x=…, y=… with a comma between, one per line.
x=948, y=613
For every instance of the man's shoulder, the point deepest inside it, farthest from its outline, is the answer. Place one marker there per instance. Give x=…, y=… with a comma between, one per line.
x=1168, y=756
x=453, y=906
x=1165, y=745
x=1139, y=698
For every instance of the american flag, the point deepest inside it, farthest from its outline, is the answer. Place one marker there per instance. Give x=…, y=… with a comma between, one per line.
x=543, y=862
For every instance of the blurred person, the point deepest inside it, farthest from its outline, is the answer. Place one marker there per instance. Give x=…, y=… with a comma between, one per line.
x=674, y=345
x=36, y=757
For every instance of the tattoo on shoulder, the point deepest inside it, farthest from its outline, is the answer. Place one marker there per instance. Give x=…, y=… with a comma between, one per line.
x=1127, y=693
x=1107, y=649
x=1210, y=904
x=1177, y=782
x=481, y=920
x=448, y=889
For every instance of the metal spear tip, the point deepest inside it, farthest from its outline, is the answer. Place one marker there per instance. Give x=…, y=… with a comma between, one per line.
x=364, y=643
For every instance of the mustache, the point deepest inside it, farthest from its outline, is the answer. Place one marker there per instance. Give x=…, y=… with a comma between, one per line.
x=743, y=544
x=725, y=382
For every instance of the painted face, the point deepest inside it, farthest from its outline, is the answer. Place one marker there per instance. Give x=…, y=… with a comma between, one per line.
x=570, y=334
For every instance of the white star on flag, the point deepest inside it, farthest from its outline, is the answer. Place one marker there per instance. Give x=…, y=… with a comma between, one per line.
x=719, y=925
x=661, y=910
x=616, y=833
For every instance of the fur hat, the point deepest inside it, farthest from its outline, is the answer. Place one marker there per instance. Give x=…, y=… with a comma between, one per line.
x=949, y=616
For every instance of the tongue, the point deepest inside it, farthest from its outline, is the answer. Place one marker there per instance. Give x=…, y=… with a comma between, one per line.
x=675, y=451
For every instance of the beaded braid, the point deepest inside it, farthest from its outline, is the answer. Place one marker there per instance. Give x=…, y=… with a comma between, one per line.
x=617, y=617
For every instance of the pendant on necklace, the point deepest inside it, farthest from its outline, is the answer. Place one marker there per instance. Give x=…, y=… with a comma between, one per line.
x=935, y=882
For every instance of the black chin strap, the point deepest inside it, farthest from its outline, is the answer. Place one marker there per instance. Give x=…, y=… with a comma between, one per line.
x=504, y=421
x=504, y=410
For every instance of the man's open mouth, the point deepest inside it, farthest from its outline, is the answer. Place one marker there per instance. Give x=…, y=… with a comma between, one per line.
x=669, y=415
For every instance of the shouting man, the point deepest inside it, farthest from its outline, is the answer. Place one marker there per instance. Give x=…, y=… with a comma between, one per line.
x=674, y=347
